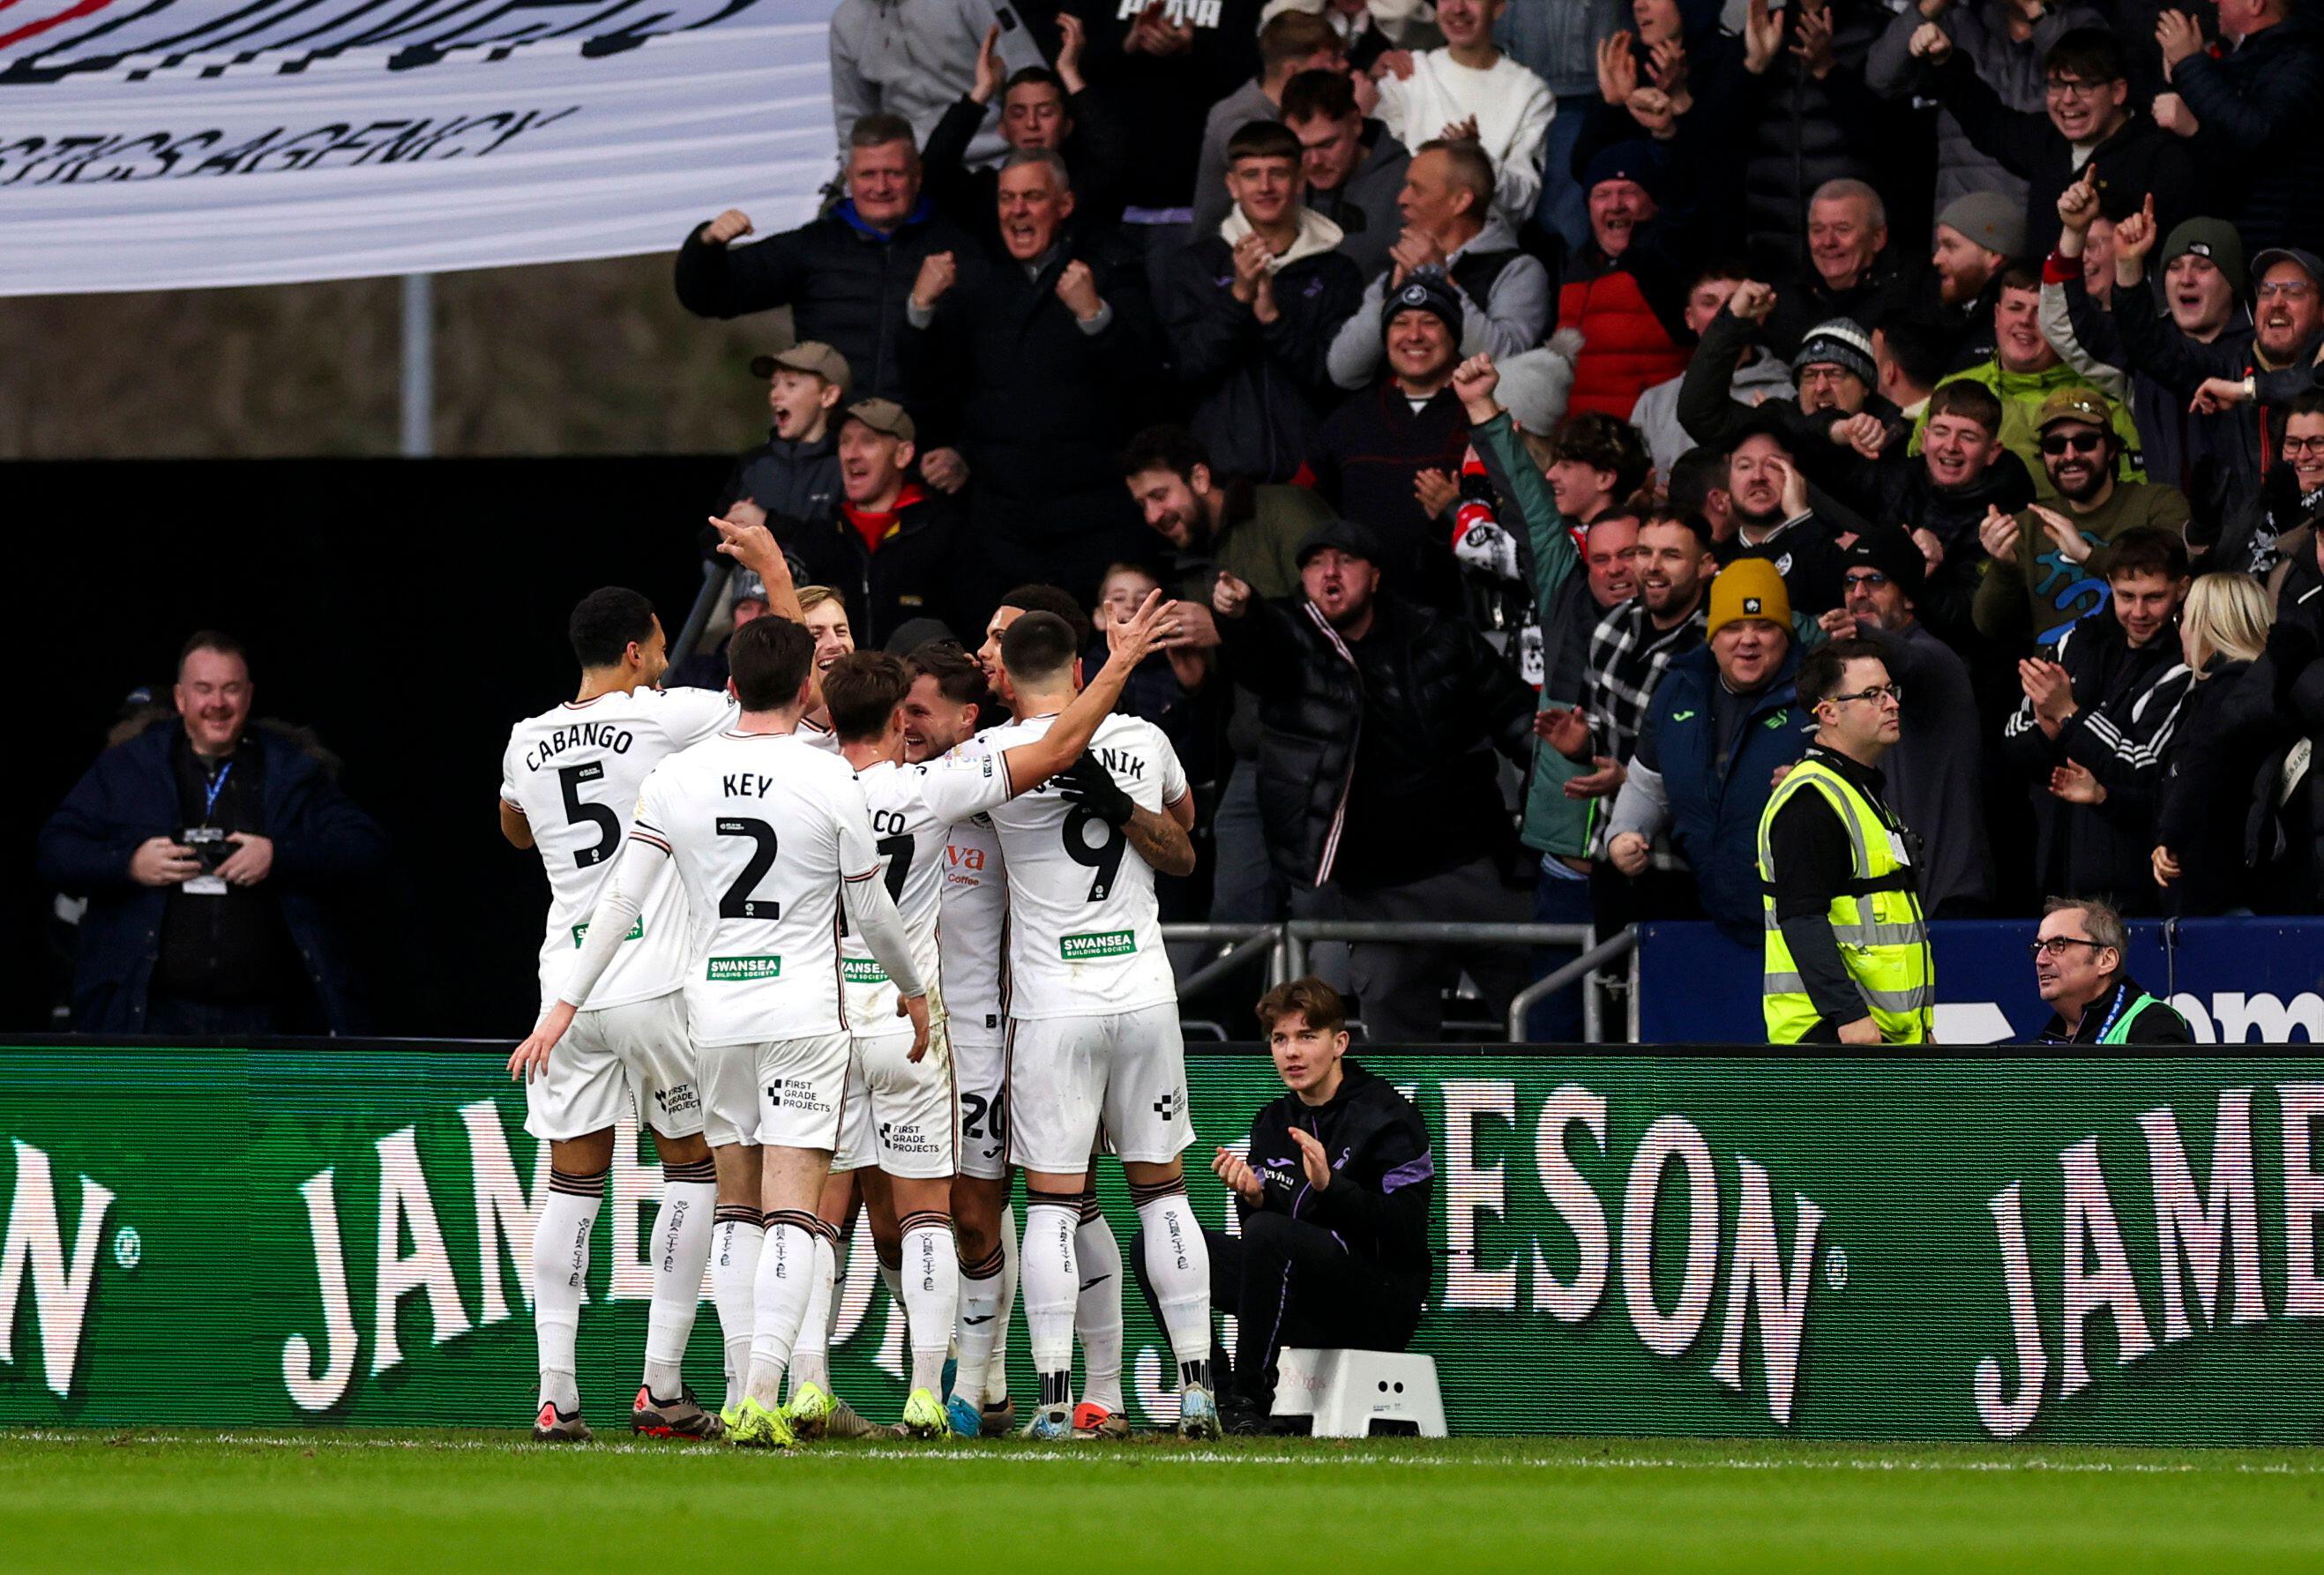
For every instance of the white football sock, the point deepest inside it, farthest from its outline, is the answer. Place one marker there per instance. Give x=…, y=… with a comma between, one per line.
x=931, y=1296
x=1052, y=1284
x=560, y=1279
x=996, y=1378
x=1178, y=1267
x=980, y=1328
x=811, y=1355
x=733, y=1271
x=1097, y=1311
x=786, y=1272
x=679, y=1251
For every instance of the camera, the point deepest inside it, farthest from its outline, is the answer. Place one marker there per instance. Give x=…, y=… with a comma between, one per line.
x=208, y=843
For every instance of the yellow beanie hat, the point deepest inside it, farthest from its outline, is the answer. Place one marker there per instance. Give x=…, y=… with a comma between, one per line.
x=1749, y=587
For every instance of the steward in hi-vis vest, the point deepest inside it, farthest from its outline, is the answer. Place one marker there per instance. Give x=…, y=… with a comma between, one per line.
x=1846, y=945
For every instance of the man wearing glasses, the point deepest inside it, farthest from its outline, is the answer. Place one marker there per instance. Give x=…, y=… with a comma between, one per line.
x=2078, y=963
x=1848, y=956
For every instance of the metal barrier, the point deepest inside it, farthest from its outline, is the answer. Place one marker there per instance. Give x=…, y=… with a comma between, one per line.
x=1284, y=947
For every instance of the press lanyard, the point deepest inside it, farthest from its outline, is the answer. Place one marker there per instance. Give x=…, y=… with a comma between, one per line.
x=212, y=788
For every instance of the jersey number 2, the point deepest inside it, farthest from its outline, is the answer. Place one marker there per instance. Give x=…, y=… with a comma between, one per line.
x=1105, y=857
x=740, y=901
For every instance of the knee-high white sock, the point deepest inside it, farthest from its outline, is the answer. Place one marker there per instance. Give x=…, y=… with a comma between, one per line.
x=560, y=1279
x=1052, y=1281
x=981, y=1326
x=680, y=1250
x=733, y=1275
x=1178, y=1267
x=811, y=1354
x=996, y=1378
x=1097, y=1306
x=891, y=1275
x=931, y=1271
x=786, y=1272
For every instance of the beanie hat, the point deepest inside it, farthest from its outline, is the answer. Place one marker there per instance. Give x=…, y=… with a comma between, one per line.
x=1633, y=160
x=1839, y=343
x=1426, y=290
x=2215, y=239
x=1987, y=218
x=1536, y=384
x=1889, y=550
x=1749, y=587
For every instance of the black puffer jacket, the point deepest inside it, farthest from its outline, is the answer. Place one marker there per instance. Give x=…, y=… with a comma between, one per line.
x=1376, y=764
x=845, y=283
x=2260, y=107
x=1383, y=1171
x=797, y=484
x=1260, y=389
x=922, y=569
x=2213, y=788
x=1799, y=133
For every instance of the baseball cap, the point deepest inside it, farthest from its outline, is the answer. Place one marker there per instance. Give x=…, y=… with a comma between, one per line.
x=2306, y=262
x=1343, y=534
x=1427, y=290
x=883, y=416
x=2076, y=402
x=811, y=355
x=2212, y=238
x=1839, y=342
x=1749, y=587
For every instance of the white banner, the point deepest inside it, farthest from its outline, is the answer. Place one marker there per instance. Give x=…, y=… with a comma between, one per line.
x=166, y=143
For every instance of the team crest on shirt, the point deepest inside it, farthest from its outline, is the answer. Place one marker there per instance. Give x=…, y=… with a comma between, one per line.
x=1783, y=564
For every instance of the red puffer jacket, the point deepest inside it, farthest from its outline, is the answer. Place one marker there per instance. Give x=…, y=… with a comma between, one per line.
x=1625, y=348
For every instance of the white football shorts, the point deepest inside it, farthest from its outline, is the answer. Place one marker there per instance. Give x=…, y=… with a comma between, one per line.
x=901, y=1112
x=1069, y=1076
x=616, y=1060
x=785, y=1093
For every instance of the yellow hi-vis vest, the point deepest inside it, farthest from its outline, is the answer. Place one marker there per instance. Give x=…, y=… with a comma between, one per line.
x=1883, y=935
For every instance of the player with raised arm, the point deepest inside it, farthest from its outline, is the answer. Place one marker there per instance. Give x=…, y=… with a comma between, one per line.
x=569, y=779
x=772, y=840
x=1085, y=933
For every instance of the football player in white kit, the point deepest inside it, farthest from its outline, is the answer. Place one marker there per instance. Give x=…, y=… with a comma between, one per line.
x=1094, y=1025
x=569, y=780
x=772, y=840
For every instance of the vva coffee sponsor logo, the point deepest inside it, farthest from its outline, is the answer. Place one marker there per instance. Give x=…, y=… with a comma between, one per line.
x=2205, y=1239
x=1671, y=1168
x=34, y=1253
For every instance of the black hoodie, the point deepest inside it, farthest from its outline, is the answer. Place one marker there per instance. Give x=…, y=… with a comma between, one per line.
x=1383, y=1171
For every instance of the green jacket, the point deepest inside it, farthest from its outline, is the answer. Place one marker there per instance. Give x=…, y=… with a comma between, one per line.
x=2021, y=395
x=1554, y=824
x=2039, y=591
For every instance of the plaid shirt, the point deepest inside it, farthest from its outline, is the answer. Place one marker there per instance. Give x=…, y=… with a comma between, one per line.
x=1628, y=655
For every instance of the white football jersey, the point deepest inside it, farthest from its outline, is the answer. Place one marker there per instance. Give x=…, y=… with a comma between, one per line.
x=573, y=774
x=763, y=828
x=975, y=921
x=1084, y=932
x=910, y=841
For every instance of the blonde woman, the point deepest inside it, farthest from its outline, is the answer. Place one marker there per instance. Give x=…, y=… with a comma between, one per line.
x=2211, y=787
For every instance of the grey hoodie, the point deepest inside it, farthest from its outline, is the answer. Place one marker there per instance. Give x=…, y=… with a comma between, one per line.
x=1515, y=319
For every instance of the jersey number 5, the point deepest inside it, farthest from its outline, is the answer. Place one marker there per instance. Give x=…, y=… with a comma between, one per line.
x=740, y=901
x=609, y=825
x=1105, y=857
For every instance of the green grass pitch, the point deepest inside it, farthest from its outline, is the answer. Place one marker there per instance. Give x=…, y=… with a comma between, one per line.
x=445, y=1503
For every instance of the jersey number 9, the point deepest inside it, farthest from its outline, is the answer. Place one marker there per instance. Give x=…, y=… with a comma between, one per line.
x=1104, y=856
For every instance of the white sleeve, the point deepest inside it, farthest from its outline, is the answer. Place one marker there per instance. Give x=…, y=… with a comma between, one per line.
x=618, y=906
x=1174, y=772
x=1520, y=183
x=1392, y=108
x=870, y=911
x=692, y=715
x=960, y=787
x=508, y=776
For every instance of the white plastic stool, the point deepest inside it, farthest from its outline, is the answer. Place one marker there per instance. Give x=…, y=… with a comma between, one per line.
x=1350, y=1393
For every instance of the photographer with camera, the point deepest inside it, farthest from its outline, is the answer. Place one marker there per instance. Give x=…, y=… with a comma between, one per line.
x=206, y=848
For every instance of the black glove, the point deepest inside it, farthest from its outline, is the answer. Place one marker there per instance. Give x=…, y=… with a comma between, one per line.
x=1091, y=786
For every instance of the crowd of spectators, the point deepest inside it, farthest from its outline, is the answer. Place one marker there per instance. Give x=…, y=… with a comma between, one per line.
x=1519, y=391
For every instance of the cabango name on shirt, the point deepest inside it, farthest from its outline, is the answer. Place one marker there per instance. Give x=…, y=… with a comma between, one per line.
x=599, y=735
